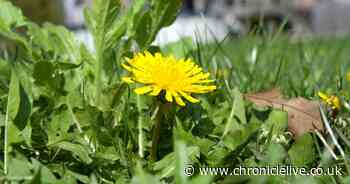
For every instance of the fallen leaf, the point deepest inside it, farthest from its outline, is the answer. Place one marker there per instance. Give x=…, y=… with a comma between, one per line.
x=271, y=98
x=303, y=115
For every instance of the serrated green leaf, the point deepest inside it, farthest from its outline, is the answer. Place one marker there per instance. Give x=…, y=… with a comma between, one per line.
x=144, y=30
x=57, y=41
x=19, y=167
x=43, y=73
x=237, y=116
x=59, y=125
x=10, y=15
x=236, y=138
x=80, y=177
x=24, y=109
x=203, y=143
x=37, y=178
x=165, y=12
x=5, y=71
x=100, y=19
x=304, y=145
x=141, y=177
x=275, y=154
x=79, y=150
x=13, y=97
x=87, y=116
x=46, y=176
x=18, y=112
x=181, y=161
x=277, y=122
x=162, y=14
x=167, y=166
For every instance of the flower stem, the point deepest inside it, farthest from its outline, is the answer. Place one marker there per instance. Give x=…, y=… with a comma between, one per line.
x=140, y=127
x=156, y=133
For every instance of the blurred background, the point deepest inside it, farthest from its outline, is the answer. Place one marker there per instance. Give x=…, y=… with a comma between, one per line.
x=215, y=19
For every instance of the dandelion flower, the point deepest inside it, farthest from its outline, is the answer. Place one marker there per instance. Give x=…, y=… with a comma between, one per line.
x=178, y=79
x=331, y=100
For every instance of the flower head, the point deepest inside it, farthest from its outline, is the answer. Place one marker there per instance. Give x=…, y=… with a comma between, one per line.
x=331, y=100
x=176, y=78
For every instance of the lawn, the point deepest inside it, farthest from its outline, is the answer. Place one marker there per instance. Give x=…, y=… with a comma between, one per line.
x=71, y=115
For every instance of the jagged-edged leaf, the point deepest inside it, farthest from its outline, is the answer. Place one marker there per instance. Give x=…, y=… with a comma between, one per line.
x=36, y=179
x=141, y=177
x=19, y=167
x=181, y=161
x=167, y=166
x=165, y=12
x=18, y=104
x=57, y=40
x=43, y=73
x=161, y=14
x=79, y=150
x=100, y=19
x=239, y=136
x=303, y=151
x=275, y=154
x=47, y=76
x=24, y=109
x=237, y=116
x=10, y=15
x=277, y=122
x=144, y=30
x=59, y=125
x=5, y=71
x=44, y=174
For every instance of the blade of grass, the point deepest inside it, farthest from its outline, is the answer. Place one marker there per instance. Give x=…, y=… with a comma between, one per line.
x=331, y=133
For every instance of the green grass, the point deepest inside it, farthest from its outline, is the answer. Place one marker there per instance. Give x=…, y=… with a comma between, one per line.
x=300, y=67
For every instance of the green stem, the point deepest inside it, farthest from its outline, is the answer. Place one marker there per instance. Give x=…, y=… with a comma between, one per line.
x=163, y=110
x=140, y=126
x=156, y=133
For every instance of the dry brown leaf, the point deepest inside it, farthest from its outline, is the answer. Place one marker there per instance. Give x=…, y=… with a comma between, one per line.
x=272, y=98
x=303, y=115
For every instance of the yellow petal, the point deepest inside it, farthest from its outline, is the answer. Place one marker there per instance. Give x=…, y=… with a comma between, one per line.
x=156, y=91
x=127, y=67
x=179, y=101
x=189, y=97
x=336, y=103
x=323, y=96
x=205, y=81
x=143, y=90
x=128, y=80
x=168, y=96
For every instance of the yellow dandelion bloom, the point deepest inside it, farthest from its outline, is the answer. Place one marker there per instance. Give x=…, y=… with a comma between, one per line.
x=177, y=78
x=331, y=100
